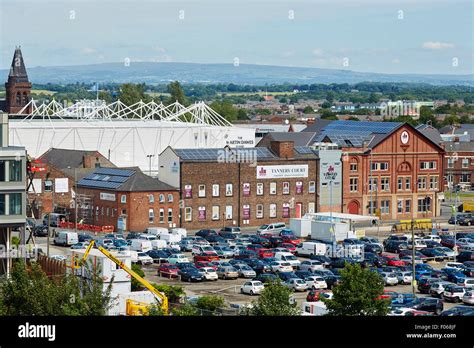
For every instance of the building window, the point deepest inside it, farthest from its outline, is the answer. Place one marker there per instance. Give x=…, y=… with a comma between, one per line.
x=48, y=185
x=228, y=190
x=259, y=189
x=311, y=207
x=422, y=183
x=424, y=204
x=465, y=163
x=170, y=215
x=15, y=205
x=373, y=184
x=379, y=166
x=102, y=211
x=385, y=184
x=151, y=216
x=215, y=190
x=465, y=178
x=2, y=204
x=228, y=212
x=202, y=191
x=299, y=187
x=353, y=184
x=399, y=206
x=407, y=205
x=427, y=165
x=188, y=214
x=123, y=199
x=286, y=210
x=246, y=189
x=433, y=182
x=408, y=184
x=273, y=210
x=259, y=211
x=151, y=199
x=450, y=162
x=112, y=211
x=188, y=191
x=400, y=184
x=2, y=165
x=353, y=167
x=286, y=188
x=170, y=198
x=161, y=198
x=312, y=187
x=273, y=188
x=215, y=212
x=372, y=207
x=162, y=216
x=385, y=207
x=15, y=170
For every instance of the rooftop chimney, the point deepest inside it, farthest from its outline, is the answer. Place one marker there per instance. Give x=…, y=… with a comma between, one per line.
x=283, y=149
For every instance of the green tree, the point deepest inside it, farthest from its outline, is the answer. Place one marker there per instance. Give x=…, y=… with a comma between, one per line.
x=226, y=110
x=274, y=301
x=185, y=310
x=209, y=304
x=242, y=114
x=357, y=293
x=326, y=105
x=283, y=100
x=131, y=93
x=308, y=110
x=174, y=293
x=450, y=120
x=330, y=97
x=373, y=98
x=176, y=94
x=136, y=286
x=427, y=116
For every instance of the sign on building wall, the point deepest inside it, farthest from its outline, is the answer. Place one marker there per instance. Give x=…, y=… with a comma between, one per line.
x=188, y=191
x=202, y=213
x=246, y=211
x=37, y=186
x=299, y=187
x=61, y=185
x=107, y=196
x=330, y=177
x=282, y=171
x=286, y=210
x=246, y=189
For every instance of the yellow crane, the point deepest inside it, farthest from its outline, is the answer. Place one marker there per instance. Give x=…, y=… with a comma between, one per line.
x=133, y=307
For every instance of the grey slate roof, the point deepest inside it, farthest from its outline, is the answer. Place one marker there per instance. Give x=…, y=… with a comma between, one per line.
x=17, y=69
x=430, y=132
x=299, y=138
x=63, y=158
x=317, y=126
x=463, y=146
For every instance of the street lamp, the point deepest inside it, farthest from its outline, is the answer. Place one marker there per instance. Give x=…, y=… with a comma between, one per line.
x=149, y=161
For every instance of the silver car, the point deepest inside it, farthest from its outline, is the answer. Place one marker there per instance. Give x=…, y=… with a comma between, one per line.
x=390, y=278
x=245, y=271
x=296, y=284
x=227, y=272
x=404, y=277
x=468, y=297
x=437, y=289
x=311, y=265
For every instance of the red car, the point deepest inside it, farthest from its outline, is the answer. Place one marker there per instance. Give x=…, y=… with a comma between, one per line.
x=292, y=240
x=166, y=269
x=263, y=253
x=313, y=295
x=387, y=294
x=206, y=257
x=255, y=247
x=393, y=260
x=291, y=247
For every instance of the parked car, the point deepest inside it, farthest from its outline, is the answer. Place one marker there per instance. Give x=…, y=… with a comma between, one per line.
x=288, y=257
x=404, y=277
x=143, y=258
x=325, y=260
x=80, y=245
x=264, y=253
x=449, y=253
x=190, y=274
x=259, y=266
x=311, y=265
x=230, y=229
x=224, y=251
x=395, y=246
x=467, y=283
x=273, y=228
x=41, y=230
x=266, y=278
x=167, y=269
x=296, y=284
x=209, y=273
x=314, y=295
x=467, y=220
x=246, y=254
x=424, y=284
x=284, y=276
x=465, y=244
x=453, y=293
x=159, y=256
x=227, y=272
x=468, y=297
x=65, y=238
x=438, y=288
x=245, y=271
x=315, y=282
x=292, y=240
x=252, y=287
x=465, y=256
x=393, y=260
x=374, y=260
x=458, y=311
x=281, y=266
x=436, y=254
x=390, y=278
x=177, y=258
x=428, y=304
x=288, y=247
x=275, y=241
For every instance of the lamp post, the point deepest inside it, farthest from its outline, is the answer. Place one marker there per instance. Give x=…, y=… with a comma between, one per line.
x=75, y=198
x=49, y=215
x=149, y=161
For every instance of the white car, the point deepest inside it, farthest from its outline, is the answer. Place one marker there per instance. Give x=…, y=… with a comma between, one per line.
x=404, y=277
x=209, y=273
x=437, y=288
x=390, y=278
x=177, y=258
x=468, y=297
x=315, y=282
x=281, y=266
x=453, y=293
x=311, y=265
x=399, y=312
x=466, y=244
x=253, y=287
x=238, y=248
x=468, y=283
x=448, y=252
x=144, y=259
x=432, y=237
x=455, y=265
x=58, y=257
x=296, y=284
x=419, y=244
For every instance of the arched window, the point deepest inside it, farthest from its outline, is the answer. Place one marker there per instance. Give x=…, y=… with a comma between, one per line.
x=18, y=98
x=25, y=98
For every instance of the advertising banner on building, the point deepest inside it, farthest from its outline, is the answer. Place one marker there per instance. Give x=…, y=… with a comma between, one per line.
x=202, y=213
x=299, y=187
x=107, y=196
x=246, y=211
x=286, y=210
x=282, y=171
x=246, y=189
x=188, y=191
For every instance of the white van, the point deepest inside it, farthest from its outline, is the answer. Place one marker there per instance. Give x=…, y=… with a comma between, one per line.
x=288, y=257
x=141, y=245
x=156, y=231
x=147, y=237
x=311, y=248
x=274, y=228
x=66, y=238
x=180, y=231
x=170, y=238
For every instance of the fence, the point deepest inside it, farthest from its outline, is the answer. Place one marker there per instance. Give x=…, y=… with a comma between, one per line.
x=52, y=267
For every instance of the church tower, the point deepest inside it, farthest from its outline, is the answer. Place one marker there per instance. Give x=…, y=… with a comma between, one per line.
x=17, y=88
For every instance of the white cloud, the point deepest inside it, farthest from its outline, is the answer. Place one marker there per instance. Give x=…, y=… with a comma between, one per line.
x=88, y=50
x=318, y=52
x=436, y=45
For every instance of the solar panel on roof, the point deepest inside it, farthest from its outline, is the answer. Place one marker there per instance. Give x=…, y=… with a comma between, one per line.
x=304, y=150
x=118, y=179
x=114, y=171
x=99, y=184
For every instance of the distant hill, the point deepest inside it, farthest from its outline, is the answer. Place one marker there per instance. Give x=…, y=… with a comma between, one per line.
x=153, y=73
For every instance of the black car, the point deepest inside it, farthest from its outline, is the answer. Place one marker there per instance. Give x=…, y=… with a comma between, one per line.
x=284, y=276
x=432, y=244
x=468, y=269
x=427, y=304
x=258, y=266
x=159, y=256
x=465, y=256
x=424, y=284
x=373, y=259
x=447, y=241
x=84, y=237
x=303, y=274
x=228, y=235
x=40, y=231
x=372, y=248
x=205, y=233
x=246, y=254
x=133, y=235
x=460, y=235
x=395, y=246
x=260, y=240
x=340, y=262
x=190, y=274
x=275, y=241
x=467, y=221
x=394, y=238
x=458, y=310
x=214, y=239
x=325, y=260
x=266, y=278
x=433, y=253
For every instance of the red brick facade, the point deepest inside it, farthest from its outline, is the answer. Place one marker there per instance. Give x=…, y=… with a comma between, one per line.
x=459, y=168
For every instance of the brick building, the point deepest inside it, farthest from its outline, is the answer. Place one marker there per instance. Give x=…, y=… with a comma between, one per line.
x=130, y=200
x=459, y=165
x=242, y=187
x=390, y=169
x=60, y=169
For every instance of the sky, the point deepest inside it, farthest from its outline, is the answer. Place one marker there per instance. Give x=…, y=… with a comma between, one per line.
x=384, y=36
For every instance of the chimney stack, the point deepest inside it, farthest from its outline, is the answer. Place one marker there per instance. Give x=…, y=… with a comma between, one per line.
x=283, y=149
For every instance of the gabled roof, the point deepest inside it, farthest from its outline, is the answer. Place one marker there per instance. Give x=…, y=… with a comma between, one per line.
x=63, y=158
x=17, y=69
x=464, y=146
x=317, y=125
x=124, y=180
x=431, y=132
x=299, y=138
